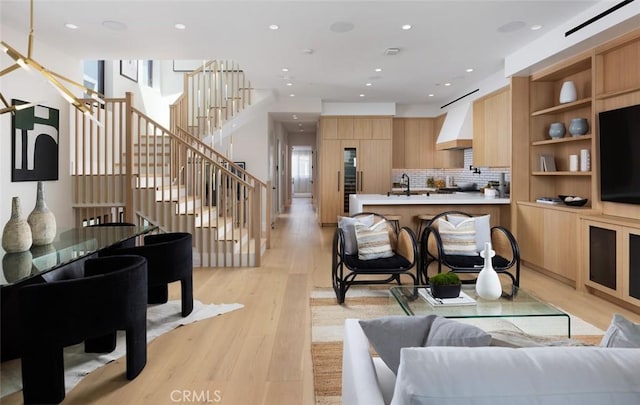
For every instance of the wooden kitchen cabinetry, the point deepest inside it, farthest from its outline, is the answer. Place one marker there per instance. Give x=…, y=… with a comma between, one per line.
x=492, y=129
x=414, y=145
x=354, y=157
x=548, y=240
x=611, y=260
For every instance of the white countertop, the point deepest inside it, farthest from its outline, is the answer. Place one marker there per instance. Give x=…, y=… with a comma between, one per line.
x=358, y=201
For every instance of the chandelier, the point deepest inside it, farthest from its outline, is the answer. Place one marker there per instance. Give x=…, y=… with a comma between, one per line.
x=58, y=81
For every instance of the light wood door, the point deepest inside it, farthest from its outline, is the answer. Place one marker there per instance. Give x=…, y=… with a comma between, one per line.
x=330, y=181
x=398, y=161
x=381, y=128
x=329, y=128
x=419, y=144
x=362, y=128
x=531, y=234
x=492, y=130
x=560, y=239
x=345, y=128
x=374, y=161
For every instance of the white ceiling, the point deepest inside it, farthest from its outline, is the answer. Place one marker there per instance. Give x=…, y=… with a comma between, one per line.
x=447, y=38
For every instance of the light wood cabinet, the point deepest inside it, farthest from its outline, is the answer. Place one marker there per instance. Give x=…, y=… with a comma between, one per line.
x=611, y=261
x=365, y=142
x=414, y=145
x=548, y=240
x=492, y=129
x=331, y=172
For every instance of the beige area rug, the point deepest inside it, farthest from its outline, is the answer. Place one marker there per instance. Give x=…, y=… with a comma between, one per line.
x=327, y=331
x=161, y=319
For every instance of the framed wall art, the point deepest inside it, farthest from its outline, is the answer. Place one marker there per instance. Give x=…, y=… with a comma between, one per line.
x=35, y=143
x=129, y=69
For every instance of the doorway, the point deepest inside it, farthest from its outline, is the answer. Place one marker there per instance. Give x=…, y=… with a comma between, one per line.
x=301, y=171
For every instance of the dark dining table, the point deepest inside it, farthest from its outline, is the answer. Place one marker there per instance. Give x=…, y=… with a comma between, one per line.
x=61, y=259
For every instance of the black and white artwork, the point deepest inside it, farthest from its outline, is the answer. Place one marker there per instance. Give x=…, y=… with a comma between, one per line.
x=35, y=143
x=129, y=69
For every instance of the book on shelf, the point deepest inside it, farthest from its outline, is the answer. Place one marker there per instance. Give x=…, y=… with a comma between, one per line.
x=549, y=200
x=462, y=299
x=547, y=163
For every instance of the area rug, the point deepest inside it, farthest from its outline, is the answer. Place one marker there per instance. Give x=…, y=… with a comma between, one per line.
x=327, y=331
x=160, y=319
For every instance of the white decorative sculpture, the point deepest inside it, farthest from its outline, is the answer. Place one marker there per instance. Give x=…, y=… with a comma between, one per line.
x=488, y=283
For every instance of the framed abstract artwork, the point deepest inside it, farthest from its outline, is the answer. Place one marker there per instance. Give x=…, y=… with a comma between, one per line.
x=35, y=143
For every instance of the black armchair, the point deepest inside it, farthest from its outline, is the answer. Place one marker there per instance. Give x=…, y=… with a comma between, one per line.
x=506, y=261
x=111, y=296
x=346, y=267
x=169, y=259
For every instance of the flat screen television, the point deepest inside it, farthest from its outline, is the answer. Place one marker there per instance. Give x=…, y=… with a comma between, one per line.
x=620, y=155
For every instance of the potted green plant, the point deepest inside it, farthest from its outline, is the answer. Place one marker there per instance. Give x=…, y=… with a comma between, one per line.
x=445, y=285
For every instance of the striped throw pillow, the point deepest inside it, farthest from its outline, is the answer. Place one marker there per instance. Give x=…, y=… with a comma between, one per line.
x=458, y=239
x=373, y=241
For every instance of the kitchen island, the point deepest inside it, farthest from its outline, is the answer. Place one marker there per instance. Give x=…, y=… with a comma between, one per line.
x=409, y=207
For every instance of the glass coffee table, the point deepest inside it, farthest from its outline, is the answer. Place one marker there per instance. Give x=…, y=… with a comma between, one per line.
x=518, y=305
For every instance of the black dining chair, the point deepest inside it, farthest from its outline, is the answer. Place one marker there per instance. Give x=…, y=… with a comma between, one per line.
x=111, y=296
x=169, y=259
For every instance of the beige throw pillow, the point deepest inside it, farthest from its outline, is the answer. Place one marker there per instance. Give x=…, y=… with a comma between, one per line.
x=373, y=241
x=458, y=239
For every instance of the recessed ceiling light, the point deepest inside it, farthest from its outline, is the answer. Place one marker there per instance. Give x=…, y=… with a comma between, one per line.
x=406, y=27
x=307, y=51
x=71, y=26
x=285, y=69
x=368, y=84
x=292, y=95
x=431, y=95
x=536, y=27
x=274, y=27
x=180, y=26
x=361, y=95
x=114, y=25
x=447, y=84
x=469, y=70
x=378, y=69
x=289, y=84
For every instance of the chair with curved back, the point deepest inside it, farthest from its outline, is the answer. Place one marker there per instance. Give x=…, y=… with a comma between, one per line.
x=434, y=250
x=169, y=259
x=111, y=296
x=348, y=263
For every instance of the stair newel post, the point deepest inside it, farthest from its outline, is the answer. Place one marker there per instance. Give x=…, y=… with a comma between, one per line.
x=257, y=223
x=129, y=179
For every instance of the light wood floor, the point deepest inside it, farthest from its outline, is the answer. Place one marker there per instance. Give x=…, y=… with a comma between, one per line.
x=261, y=353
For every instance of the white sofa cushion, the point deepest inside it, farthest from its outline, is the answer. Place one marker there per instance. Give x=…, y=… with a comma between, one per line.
x=621, y=333
x=498, y=375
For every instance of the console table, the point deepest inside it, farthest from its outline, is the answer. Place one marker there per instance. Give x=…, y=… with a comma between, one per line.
x=61, y=259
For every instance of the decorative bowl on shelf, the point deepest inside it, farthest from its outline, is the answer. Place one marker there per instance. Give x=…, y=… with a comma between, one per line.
x=573, y=201
x=556, y=130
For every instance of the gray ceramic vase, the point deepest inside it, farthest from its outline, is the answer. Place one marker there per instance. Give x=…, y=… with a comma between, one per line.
x=578, y=126
x=16, y=235
x=556, y=130
x=42, y=221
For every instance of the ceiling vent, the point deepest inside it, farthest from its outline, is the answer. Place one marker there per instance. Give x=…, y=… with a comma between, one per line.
x=598, y=17
x=391, y=51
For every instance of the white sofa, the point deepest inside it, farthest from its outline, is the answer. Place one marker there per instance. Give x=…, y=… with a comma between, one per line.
x=489, y=375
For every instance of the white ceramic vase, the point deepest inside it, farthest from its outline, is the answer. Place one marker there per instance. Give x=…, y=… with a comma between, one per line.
x=42, y=221
x=488, y=283
x=568, y=92
x=16, y=235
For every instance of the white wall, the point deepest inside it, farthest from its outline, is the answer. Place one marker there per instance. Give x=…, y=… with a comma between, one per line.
x=30, y=87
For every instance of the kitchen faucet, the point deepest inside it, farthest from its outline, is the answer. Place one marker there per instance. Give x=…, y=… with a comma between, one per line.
x=404, y=176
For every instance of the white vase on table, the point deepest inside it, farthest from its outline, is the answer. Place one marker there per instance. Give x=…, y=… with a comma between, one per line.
x=488, y=283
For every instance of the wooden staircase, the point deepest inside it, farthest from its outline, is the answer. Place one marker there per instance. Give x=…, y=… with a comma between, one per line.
x=134, y=170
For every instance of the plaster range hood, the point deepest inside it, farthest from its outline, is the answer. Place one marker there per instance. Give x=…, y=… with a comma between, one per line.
x=457, y=130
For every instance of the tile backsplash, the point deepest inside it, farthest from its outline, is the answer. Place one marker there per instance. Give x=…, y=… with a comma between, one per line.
x=419, y=176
